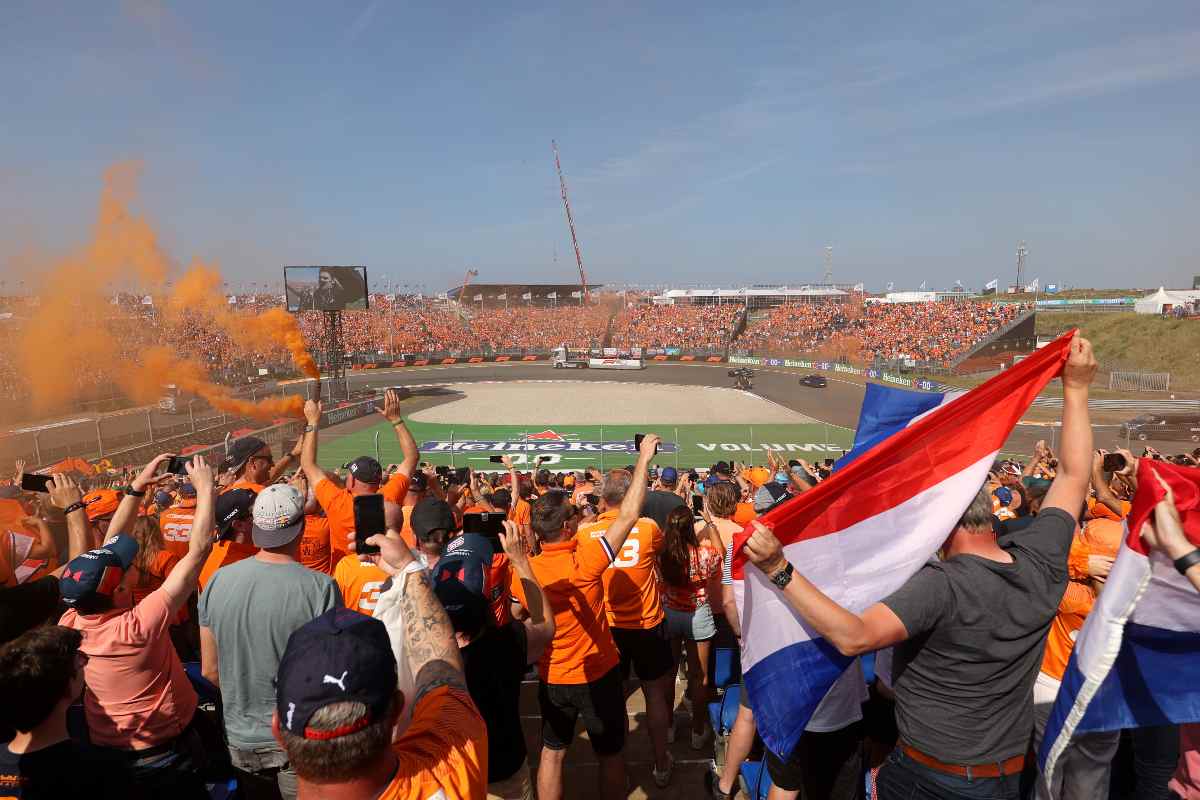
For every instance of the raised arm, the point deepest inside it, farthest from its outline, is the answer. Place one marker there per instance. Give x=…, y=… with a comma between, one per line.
x=1104, y=492
x=283, y=464
x=850, y=633
x=408, y=445
x=308, y=449
x=539, y=627
x=183, y=579
x=65, y=494
x=122, y=520
x=429, y=641
x=1164, y=533
x=631, y=506
x=1075, y=456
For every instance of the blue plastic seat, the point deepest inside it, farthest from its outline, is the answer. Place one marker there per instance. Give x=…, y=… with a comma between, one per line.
x=757, y=779
x=723, y=712
x=726, y=667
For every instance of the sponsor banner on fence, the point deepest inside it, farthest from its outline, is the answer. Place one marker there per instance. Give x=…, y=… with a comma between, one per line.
x=547, y=441
x=744, y=360
x=847, y=369
x=347, y=413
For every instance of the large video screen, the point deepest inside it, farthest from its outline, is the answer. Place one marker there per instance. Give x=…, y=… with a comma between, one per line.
x=325, y=288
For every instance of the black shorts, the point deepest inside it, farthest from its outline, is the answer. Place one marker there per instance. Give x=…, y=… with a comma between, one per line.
x=648, y=650
x=826, y=765
x=601, y=703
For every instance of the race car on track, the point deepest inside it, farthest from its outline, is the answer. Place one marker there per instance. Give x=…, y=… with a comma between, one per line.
x=814, y=381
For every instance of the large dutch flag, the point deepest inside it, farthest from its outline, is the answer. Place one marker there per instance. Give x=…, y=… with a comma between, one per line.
x=887, y=410
x=1137, y=659
x=863, y=532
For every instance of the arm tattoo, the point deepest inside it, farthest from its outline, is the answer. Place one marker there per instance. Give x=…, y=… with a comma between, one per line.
x=428, y=637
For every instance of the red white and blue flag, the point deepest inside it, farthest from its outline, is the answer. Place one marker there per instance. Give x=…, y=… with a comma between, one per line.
x=859, y=535
x=1137, y=657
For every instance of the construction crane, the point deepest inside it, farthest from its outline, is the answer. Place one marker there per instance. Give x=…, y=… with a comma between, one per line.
x=570, y=222
x=471, y=273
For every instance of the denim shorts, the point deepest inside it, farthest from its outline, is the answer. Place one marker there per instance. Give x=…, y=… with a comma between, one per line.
x=694, y=626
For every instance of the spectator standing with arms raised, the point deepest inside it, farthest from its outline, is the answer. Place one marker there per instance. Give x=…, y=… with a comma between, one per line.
x=247, y=612
x=969, y=630
x=579, y=675
x=139, y=703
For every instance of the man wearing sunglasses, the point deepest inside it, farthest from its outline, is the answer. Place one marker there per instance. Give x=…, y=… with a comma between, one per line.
x=252, y=465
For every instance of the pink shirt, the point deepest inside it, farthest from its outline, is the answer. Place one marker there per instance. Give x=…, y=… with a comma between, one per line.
x=1186, y=782
x=137, y=694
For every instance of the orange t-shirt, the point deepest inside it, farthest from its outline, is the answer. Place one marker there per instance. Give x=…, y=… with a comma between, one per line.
x=1101, y=511
x=744, y=513
x=242, y=483
x=1076, y=604
x=315, y=547
x=176, y=525
x=633, y=600
x=224, y=553
x=522, y=514
x=571, y=574
x=359, y=582
x=153, y=576
x=443, y=753
x=396, y=488
x=339, y=512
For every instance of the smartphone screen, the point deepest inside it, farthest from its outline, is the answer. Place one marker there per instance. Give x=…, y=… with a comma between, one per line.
x=637, y=442
x=698, y=504
x=489, y=524
x=368, y=521
x=496, y=459
x=35, y=483
x=176, y=465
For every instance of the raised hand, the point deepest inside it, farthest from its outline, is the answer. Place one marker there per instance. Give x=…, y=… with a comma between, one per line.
x=64, y=491
x=391, y=405
x=201, y=475
x=148, y=476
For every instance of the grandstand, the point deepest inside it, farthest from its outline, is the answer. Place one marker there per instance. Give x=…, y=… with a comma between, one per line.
x=533, y=294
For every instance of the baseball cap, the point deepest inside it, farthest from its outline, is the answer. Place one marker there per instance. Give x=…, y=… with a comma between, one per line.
x=462, y=581
x=429, y=515
x=366, y=470
x=1004, y=495
x=187, y=490
x=721, y=467
x=418, y=482
x=669, y=475
x=162, y=499
x=91, y=579
x=278, y=515
x=232, y=505
x=769, y=496
x=758, y=475
x=240, y=451
x=101, y=503
x=341, y=656
x=1011, y=468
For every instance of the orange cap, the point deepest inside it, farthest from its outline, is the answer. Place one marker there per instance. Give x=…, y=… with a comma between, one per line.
x=758, y=475
x=101, y=503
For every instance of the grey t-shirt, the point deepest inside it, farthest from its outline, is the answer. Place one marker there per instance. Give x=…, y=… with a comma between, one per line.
x=658, y=504
x=252, y=607
x=977, y=630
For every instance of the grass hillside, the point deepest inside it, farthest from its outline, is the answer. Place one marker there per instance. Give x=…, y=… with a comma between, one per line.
x=1128, y=341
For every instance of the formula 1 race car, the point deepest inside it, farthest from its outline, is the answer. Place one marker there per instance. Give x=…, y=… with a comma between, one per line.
x=814, y=381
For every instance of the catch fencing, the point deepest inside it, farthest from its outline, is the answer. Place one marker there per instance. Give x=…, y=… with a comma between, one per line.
x=1139, y=381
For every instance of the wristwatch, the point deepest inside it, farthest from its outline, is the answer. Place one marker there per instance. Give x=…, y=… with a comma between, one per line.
x=310, y=428
x=784, y=576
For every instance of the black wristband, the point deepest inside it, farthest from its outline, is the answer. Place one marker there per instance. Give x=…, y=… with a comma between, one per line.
x=1187, y=561
x=129, y=490
x=74, y=507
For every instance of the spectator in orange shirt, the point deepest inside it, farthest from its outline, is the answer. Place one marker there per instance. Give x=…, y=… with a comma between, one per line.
x=579, y=673
x=337, y=700
x=252, y=465
x=176, y=521
x=316, y=551
x=366, y=474
x=234, y=532
x=635, y=613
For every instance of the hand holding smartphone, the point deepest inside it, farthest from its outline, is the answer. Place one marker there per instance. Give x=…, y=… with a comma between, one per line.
x=35, y=483
x=637, y=443
x=368, y=521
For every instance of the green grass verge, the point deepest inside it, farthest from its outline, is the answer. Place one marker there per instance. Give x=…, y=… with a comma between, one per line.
x=1143, y=342
x=695, y=445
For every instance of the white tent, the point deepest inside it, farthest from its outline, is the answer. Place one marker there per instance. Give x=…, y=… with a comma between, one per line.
x=1154, y=303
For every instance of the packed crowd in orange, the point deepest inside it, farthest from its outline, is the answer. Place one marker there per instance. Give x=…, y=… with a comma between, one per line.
x=674, y=326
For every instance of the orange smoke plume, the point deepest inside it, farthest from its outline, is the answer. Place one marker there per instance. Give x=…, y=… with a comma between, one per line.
x=76, y=337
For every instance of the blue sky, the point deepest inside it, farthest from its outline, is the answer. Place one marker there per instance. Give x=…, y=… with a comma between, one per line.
x=703, y=143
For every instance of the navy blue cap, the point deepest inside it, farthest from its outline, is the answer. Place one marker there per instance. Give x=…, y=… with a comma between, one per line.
x=462, y=580
x=91, y=579
x=162, y=499
x=366, y=470
x=341, y=656
x=669, y=475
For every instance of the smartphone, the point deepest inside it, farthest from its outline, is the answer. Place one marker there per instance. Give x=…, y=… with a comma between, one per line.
x=441, y=469
x=489, y=524
x=461, y=474
x=637, y=443
x=368, y=521
x=496, y=459
x=592, y=499
x=698, y=504
x=1113, y=462
x=35, y=483
x=176, y=465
